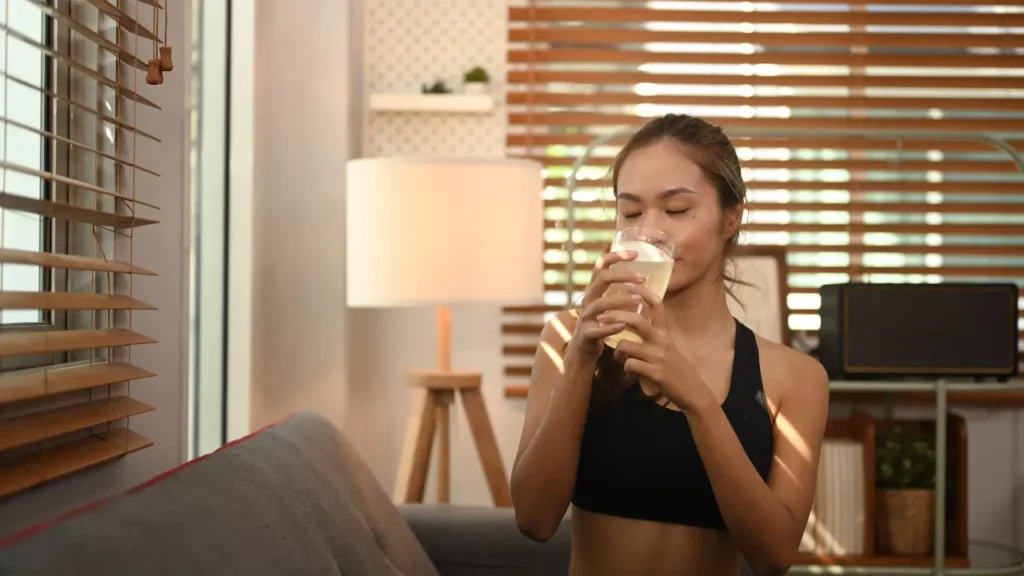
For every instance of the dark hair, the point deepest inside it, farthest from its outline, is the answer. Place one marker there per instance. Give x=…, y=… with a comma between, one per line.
x=707, y=146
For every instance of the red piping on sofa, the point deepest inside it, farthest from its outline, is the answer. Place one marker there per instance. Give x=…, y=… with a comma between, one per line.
x=30, y=531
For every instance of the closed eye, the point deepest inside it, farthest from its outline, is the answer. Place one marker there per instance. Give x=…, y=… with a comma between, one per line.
x=677, y=212
x=630, y=216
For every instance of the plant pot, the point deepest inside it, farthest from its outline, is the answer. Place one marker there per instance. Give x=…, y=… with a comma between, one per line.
x=477, y=87
x=905, y=522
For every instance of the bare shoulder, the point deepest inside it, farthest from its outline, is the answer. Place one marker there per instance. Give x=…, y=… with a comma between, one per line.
x=787, y=372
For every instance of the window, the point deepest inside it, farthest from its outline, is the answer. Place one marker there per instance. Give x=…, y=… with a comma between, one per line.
x=797, y=86
x=26, y=111
x=79, y=176
x=210, y=38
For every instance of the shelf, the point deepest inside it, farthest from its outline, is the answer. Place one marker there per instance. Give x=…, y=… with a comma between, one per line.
x=888, y=561
x=67, y=458
x=925, y=386
x=445, y=103
x=986, y=559
x=981, y=399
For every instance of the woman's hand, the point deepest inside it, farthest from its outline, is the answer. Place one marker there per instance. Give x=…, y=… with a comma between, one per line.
x=657, y=359
x=588, y=338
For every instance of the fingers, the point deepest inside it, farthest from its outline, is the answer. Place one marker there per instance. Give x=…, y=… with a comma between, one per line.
x=627, y=349
x=641, y=326
x=601, y=280
x=595, y=329
x=604, y=262
x=604, y=276
x=654, y=303
x=601, y=331
x=602, y=305
x=642, y=369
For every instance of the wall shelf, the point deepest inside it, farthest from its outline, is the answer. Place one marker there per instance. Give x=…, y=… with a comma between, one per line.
x=444, y=103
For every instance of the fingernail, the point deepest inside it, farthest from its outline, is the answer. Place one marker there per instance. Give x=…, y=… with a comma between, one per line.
x=640, y=277
x=637, y=298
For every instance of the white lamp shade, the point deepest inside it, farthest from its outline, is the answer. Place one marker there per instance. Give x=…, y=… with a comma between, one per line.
x=424, y=231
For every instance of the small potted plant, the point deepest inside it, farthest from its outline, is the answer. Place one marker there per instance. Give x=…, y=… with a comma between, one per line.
x=438, y=87
x=905, y=497
x=477, y=81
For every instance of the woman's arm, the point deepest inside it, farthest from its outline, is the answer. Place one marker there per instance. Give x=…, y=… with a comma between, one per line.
x=544, y=471
x=766, y=521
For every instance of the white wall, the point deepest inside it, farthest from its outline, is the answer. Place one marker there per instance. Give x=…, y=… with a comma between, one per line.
x=161, y=248
x=406, y=43
x=300, y=130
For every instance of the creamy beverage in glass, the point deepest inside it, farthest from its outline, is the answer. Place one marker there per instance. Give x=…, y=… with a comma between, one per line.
x=655, y=257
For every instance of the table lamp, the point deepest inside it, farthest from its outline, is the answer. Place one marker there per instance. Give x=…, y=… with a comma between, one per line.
x=437, y=232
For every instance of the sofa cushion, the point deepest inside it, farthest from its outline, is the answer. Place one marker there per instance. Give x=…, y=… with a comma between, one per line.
x=293, y=499
x=484, y=541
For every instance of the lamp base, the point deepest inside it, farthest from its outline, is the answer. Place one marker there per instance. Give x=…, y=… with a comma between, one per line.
x=433, y=393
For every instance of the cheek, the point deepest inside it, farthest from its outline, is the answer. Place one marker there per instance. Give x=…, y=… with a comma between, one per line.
x=698, y=248
x=698, y=237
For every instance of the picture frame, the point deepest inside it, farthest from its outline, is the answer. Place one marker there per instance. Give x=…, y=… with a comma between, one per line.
x=758, y=294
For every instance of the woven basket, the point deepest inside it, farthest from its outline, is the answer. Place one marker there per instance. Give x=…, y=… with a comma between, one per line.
x=905, y=522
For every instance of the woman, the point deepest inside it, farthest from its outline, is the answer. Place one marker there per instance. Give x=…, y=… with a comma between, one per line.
x=697, y=446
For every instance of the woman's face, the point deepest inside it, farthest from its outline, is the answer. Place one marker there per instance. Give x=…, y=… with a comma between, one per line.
x=660, y=187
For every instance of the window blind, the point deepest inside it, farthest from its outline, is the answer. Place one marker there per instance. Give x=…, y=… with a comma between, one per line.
x=815, y=97
x=73, y=190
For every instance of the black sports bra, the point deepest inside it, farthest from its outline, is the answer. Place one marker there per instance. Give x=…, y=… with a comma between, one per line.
x=638, y=459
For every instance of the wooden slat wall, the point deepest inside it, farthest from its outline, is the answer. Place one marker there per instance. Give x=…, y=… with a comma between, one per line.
x=846, y=207
x=73, y=188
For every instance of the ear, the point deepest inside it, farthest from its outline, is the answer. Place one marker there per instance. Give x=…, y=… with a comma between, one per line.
x=732, y=218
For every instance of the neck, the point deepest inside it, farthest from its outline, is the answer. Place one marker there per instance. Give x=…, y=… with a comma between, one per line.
x=700, y=311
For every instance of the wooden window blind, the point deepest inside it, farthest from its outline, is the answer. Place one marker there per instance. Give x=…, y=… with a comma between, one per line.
x=858, y=125
x=73, y=190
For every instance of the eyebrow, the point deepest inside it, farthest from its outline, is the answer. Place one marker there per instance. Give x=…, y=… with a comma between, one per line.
x=661, y=196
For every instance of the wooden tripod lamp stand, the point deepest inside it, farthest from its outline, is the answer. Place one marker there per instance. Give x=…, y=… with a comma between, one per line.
x=437, y=232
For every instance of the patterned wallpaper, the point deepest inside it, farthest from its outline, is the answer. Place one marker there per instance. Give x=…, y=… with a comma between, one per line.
x=413, y=42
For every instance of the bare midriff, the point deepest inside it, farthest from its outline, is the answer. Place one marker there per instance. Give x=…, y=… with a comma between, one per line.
x=607, y=545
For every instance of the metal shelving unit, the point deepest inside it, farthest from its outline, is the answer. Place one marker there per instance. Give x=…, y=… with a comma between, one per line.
x=941, y=390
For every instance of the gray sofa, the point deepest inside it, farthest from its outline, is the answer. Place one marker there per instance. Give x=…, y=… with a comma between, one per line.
x=294, y=499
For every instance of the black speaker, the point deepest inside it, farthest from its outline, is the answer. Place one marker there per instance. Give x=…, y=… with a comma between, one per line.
x=877, y=331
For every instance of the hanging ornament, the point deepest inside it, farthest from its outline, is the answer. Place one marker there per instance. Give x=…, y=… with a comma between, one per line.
x=155, y=75
x=166, y=61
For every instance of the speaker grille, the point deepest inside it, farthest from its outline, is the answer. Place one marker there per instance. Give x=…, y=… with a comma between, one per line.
x=950, y=328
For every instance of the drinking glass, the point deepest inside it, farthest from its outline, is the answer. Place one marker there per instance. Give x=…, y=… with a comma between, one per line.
x=655, y=258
